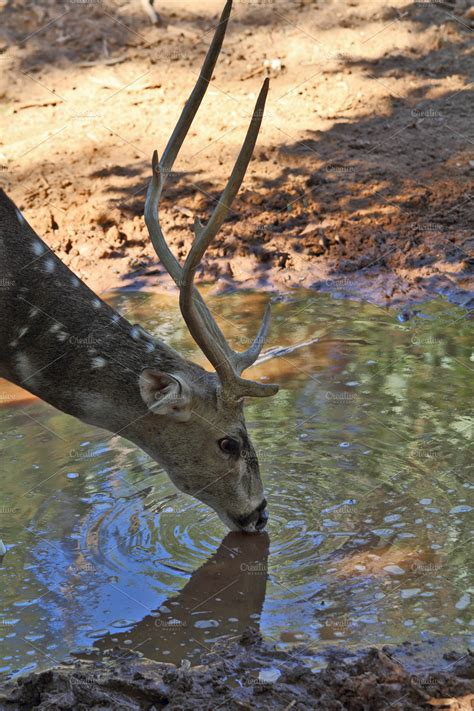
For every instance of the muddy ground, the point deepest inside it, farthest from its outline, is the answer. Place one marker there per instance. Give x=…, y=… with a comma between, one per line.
x=249, y=674
x=361, y=181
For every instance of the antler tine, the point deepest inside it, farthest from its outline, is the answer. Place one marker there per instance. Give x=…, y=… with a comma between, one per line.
x=202, y=326
x=247, y=358
x=160, y=170
x=206, y=333
x=152, y=221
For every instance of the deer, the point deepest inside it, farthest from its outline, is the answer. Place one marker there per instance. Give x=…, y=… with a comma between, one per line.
x=189, y=420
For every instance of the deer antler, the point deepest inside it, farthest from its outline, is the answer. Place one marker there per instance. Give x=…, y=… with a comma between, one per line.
x=229, y=364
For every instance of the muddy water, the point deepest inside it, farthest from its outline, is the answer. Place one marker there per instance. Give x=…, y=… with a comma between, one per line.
x=365, y=455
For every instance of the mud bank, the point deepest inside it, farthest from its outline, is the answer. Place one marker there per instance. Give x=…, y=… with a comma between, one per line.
x=250, y=674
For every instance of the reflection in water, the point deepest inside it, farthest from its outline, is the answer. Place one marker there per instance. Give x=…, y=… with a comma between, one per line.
x=365, y=458
x=222, y=597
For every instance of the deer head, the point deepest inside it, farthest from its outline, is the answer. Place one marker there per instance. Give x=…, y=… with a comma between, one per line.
x=188, y=419
x=204, y=444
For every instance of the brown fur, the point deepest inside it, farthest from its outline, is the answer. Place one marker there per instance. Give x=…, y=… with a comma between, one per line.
x=68, y=347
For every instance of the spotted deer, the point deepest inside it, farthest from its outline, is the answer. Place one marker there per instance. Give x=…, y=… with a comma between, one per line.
x=189, y=420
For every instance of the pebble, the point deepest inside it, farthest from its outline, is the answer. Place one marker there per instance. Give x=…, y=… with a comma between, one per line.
x=463, y=602
x=460, y=509
x=394, y=570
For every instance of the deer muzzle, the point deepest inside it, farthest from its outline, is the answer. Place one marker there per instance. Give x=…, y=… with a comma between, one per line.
x=257, y=520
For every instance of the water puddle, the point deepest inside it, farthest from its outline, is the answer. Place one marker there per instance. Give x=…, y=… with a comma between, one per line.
x=365, y=456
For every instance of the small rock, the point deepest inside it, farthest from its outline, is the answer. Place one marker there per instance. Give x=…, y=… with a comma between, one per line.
x=463, y=602
x=464, y=508
x=394, y=570
x=113, y=236
x=273, y=64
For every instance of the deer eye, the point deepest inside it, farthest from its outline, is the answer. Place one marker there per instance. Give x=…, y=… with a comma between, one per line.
x=229, y=446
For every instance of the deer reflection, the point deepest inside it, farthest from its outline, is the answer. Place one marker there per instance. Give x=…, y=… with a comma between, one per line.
x=222, y=598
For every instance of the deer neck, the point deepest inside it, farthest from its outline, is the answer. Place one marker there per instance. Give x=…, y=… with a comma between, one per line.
x=64, y=344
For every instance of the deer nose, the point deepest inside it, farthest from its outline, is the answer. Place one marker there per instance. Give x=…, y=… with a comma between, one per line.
x=262, y=516
x=257, y=518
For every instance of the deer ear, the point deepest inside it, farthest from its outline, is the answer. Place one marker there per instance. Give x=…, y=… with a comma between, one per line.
x=165, y=394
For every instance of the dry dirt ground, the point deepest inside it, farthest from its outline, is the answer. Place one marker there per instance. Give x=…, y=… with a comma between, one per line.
x=361, y=181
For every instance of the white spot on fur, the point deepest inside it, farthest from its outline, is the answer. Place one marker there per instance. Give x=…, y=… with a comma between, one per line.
x=75, y=281
x=96, y=303
x=24, y=367
x=150, y=347
x=38, y=248
x=21, y=219
x=21, y=333
x=49, y=265
x=55, y=327
x=135, y=333
x=62, y=336
x=91, y=351
x=34, y=312
x=115, y=318
x=98, y=362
